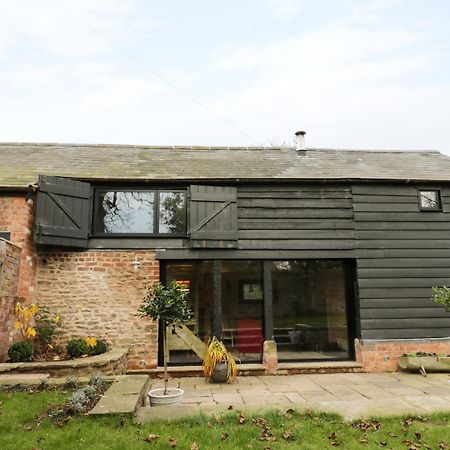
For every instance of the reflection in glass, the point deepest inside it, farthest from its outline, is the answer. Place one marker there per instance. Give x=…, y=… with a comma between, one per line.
x=171, y=212
x=242, y=309
x=309, y=309
x=125, y=212
x=197, y=277
x=430, y=200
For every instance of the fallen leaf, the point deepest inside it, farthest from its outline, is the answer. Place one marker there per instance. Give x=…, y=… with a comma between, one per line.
x=418, y=435
x=332, y=436
x=230, y=407
x=172, y=441
x=151, y=437
x=288, y=435
x=218, y=419
x=383, y=444
x=391, y=434
x=223, y=436
x=267, y=435
x=194, y=446
x=309, y=412
x=241, y=419
x=259, y=422
x=364, y=440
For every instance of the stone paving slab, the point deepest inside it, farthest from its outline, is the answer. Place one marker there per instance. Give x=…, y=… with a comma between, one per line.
x=351, y=395
x=123, y=397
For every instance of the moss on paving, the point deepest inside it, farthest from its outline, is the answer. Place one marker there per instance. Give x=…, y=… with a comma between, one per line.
x=21, y=428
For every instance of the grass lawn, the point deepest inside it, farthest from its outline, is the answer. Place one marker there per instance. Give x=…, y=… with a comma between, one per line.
x=20, y=429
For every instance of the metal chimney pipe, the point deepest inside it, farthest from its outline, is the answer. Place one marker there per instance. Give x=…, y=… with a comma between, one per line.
x=300, y=138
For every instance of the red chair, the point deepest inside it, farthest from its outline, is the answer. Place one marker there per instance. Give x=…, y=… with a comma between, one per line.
x=249, y=335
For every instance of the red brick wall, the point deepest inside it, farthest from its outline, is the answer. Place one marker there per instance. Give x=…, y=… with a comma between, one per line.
x=98, y=293
x=9, y=271
x=382, y=356
x=17, y=217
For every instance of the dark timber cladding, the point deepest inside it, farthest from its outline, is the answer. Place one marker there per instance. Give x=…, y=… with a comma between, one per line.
x=402, y=252
x=296, y=217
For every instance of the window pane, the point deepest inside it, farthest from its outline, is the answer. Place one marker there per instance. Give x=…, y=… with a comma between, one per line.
x=429, y=199
x=172, y=212
x=242, y=309
x=309, y=309
x=125, y=212
x=198, y=278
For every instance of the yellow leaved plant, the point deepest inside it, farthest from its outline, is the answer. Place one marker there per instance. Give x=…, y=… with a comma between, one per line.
x=24, y=314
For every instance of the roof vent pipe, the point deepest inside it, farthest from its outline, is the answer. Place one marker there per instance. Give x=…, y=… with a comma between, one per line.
x=300, y=138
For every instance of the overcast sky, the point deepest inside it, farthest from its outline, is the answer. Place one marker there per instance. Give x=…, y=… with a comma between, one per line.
x=352, y=73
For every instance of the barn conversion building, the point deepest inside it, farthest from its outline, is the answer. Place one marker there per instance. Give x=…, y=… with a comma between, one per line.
x=291, y=256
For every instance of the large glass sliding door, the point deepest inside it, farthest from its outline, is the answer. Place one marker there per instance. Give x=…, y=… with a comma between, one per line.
x=310, y=309
x=309, y=304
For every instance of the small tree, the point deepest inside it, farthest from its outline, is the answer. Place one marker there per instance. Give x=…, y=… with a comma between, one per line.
x=168, y=305
x=441, y=295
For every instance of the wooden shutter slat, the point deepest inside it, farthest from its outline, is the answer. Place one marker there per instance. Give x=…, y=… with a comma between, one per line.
x=60, y=231
x=64, y=190
x=213, y=197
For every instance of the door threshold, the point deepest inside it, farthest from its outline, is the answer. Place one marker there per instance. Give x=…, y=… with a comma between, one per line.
x=254, y=369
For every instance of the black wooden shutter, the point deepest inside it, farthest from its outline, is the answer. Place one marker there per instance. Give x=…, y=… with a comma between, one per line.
x=62, y=212
x=213, y=217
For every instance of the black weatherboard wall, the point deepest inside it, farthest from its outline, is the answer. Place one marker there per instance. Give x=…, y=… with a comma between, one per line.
x=402, y=252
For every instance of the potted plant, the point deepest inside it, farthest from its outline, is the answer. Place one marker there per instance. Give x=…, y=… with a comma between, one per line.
x=219, y=366
x=168, y=305
x=424, y=362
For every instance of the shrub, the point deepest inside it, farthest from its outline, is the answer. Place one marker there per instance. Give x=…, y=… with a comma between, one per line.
x=77, y=347
x=99, y=348
x=83, y=399
x=441, y=296
x=48, y=326
x=20, y=351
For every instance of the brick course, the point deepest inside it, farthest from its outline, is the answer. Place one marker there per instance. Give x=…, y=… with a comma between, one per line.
x=382, y=356
x=98, y=293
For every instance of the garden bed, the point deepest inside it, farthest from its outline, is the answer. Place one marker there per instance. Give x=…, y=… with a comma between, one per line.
x=429, y=363
x=113, y=362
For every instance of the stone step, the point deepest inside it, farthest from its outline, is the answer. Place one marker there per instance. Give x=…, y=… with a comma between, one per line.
x=124, y=396
x=23, y=378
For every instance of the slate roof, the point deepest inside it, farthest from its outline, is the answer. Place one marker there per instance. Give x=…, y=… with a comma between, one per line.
x=21, y=163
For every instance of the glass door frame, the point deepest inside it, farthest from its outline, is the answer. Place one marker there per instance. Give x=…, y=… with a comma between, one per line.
x=351, y=298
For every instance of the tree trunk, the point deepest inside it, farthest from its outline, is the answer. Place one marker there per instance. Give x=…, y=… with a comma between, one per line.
x=166, y=357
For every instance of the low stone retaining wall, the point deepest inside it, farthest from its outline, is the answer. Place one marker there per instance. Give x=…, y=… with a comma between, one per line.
x=113, y=362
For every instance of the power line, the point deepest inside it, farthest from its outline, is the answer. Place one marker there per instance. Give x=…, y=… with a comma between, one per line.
x=156, y=74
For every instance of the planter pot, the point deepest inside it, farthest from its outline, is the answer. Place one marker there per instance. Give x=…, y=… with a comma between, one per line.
x=220, y=373
x=157, y=397
x=430, y=363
